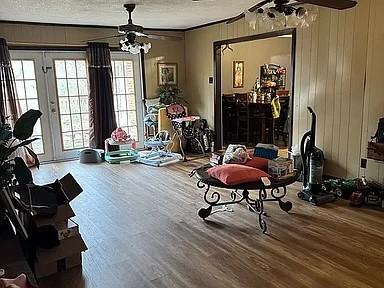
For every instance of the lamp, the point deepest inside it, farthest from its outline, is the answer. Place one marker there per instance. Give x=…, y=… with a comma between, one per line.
x=130, y=45
x=282, y=16
x=134, y=48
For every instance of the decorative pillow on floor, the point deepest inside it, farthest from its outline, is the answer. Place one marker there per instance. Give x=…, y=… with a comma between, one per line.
x=258, y=162
x=18, y=282
x=233, y=174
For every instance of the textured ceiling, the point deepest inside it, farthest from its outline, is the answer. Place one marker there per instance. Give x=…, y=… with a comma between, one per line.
x=177, y=14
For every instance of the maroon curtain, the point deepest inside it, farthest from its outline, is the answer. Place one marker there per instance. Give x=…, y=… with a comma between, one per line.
x=102, y=118
x=9, y=106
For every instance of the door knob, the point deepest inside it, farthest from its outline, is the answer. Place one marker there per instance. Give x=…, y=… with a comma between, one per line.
x=53, y=110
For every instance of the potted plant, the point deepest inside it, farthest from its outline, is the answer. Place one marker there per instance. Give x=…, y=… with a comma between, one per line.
x=169, y=94
x=10, y=142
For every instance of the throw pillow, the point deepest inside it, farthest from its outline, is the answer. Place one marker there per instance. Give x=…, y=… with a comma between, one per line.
x=234, y=174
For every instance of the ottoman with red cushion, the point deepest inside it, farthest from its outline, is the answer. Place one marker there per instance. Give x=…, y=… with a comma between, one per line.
x=240, y=179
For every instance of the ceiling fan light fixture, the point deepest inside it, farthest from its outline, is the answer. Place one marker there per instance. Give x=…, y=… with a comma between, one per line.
x=281, y=17
x=301, y=12
x=288, y=10
x=135, y=47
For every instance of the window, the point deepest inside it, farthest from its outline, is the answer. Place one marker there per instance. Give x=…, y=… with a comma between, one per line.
x=124, y=94
x=72, y=91
x=27, y=96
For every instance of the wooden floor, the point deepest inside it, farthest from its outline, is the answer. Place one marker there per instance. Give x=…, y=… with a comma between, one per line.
x=142, y=230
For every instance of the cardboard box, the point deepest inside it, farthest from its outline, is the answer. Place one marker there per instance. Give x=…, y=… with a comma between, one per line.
x=67, y=247
x=280, y=167
x=67, y=229
x=73, y=261
x=70, y=186
x=64, y=212
x=60, y=258
x=44, y=270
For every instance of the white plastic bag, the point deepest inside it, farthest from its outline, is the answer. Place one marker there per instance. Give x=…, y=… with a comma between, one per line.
x=236, y=154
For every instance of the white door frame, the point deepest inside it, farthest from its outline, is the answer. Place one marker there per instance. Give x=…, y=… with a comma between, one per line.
x=37, y=57
x=49, y=57
x=137, y=68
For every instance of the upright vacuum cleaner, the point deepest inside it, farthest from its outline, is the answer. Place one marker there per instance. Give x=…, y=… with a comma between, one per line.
x=313, y=164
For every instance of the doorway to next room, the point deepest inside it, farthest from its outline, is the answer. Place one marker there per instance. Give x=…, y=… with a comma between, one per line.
x=254, y=89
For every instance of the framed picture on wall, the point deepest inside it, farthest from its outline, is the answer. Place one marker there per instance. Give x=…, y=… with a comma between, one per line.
x=167, y=73
x=238, y=74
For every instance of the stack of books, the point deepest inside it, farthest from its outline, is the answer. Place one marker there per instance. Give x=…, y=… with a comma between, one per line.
x=215, y=159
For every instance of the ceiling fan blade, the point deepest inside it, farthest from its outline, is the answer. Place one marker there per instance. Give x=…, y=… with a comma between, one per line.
x=252, y=9
x=163, y=37
x=140, y=34
x=259, y=5
x=102, y=38
x=334, y=4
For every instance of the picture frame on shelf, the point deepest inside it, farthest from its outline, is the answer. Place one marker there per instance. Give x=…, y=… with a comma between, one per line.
x=238, y=74
x=167, y=73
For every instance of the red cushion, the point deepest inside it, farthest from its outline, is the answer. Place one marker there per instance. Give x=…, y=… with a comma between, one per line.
x=258, y=162
x=233, y=174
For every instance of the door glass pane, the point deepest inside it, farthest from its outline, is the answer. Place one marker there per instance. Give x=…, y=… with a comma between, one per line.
x=72, y=89
x=71, y=68
x=124, y=96
x=64, y=105
x=30, y=89
x=60, y=69
x=83, y=86
x=67, y=140
x=81, y=69
x=29, y=69
x=62, y=88
x=17, y=67
x=27, y=96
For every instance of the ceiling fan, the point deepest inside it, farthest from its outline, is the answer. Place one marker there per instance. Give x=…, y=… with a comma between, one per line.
x=286, y=7
x=131, y=31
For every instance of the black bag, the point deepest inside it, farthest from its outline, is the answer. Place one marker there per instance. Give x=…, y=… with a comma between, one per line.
x=379, y=136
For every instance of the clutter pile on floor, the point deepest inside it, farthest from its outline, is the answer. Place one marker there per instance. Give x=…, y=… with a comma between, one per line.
x=190, y=133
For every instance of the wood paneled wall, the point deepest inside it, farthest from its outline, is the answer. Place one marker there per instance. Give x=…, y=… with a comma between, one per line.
x=332, y=59
x=373, y=105
x=162, y=51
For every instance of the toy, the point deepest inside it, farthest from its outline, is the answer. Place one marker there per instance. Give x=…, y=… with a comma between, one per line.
x=127, y=154
x=119, y=135
x=342, y=188
x=160, y=153
x=357, y=197
x=375, y=195
x=280, y=167
x=268, y=151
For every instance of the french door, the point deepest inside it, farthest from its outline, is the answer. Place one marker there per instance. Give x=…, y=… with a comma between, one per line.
x=57, y=84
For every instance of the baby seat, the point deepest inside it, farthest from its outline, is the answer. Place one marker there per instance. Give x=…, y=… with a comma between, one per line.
x=160, y=153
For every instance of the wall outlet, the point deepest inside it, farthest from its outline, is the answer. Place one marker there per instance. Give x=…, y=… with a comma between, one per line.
x=210, y=80
x=363, y=163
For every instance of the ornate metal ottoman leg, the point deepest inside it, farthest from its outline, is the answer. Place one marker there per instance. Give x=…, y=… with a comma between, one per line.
x=205, y=212
x=260, y=209
x=278, y=194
